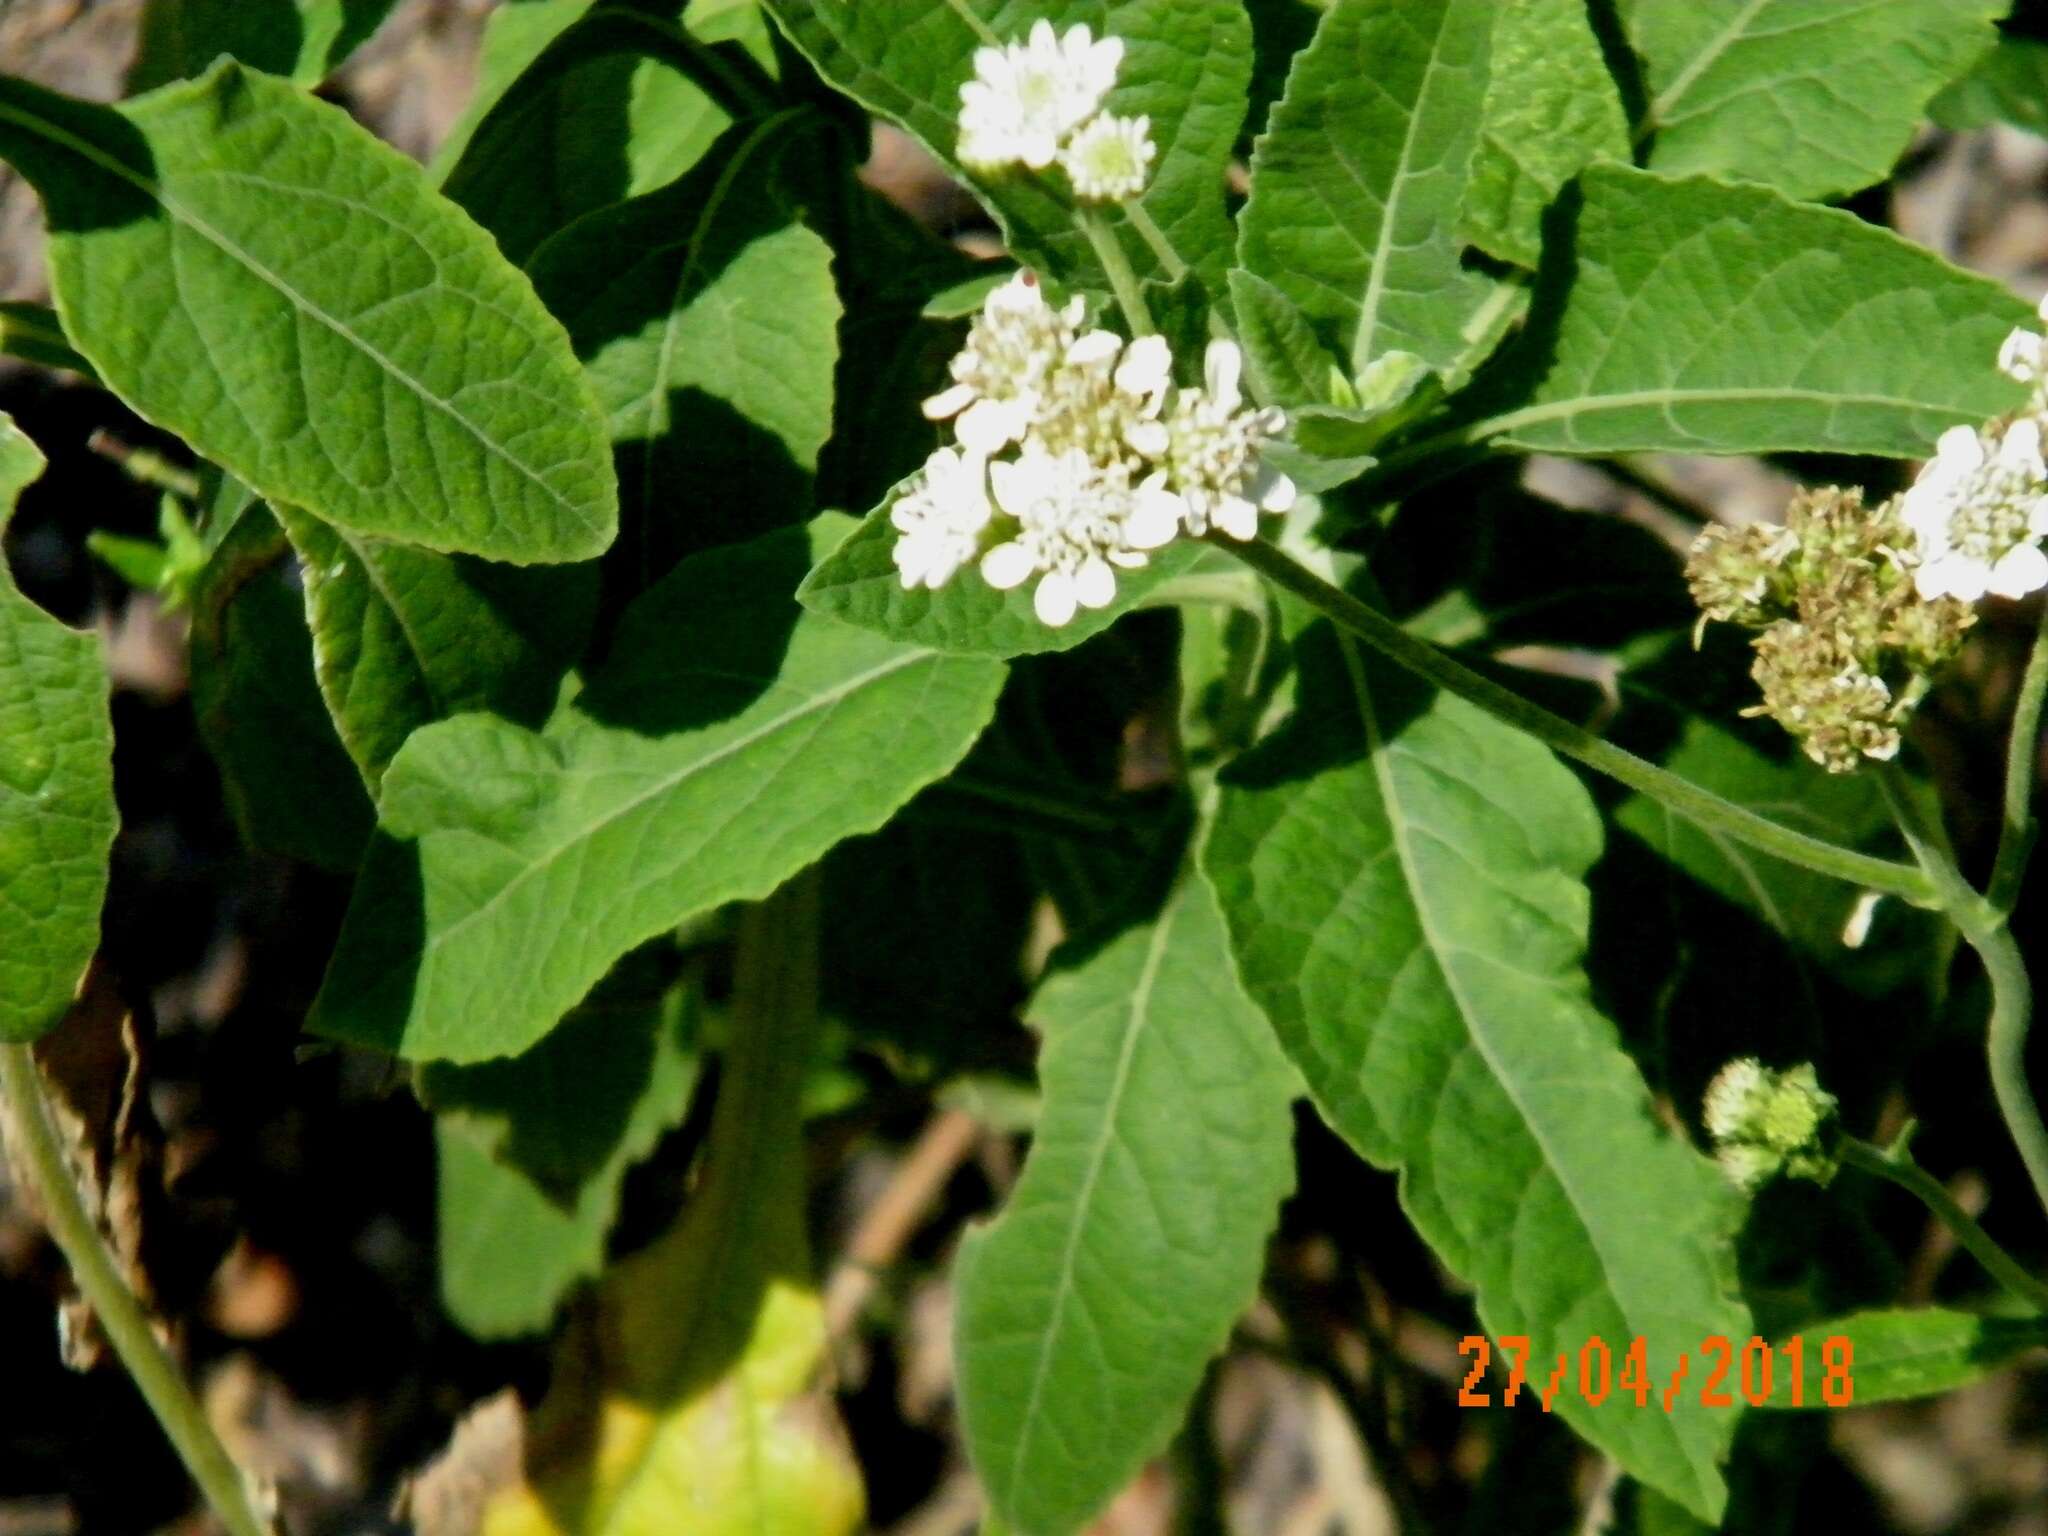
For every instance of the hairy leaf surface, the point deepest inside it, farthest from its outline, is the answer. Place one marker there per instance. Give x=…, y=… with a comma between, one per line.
x=1551, y=108
x=1087, y=1313
x=731, y=741
x=1358, y=181
x=1814, y=97
x=1689, y=316
x=1402, y=877
x=248, y=268
x=1187, y=66
x=57, y=818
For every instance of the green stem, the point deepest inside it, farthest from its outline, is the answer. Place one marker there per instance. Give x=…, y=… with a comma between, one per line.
x=1155, y=237
x=2012, y=991
x=99, y=1279
x=1900, y=1169
x=2016, y=840
x=1687, y=799
x=1123, y=278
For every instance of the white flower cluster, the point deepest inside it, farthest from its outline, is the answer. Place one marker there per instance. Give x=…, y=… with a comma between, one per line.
x=1980, y=507
x=1039, y=102
x=1076, y=455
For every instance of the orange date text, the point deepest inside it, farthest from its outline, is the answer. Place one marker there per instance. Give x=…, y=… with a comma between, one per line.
x=1717, y=1372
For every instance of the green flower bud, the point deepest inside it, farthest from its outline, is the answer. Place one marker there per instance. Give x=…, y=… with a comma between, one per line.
x=1766, y=1123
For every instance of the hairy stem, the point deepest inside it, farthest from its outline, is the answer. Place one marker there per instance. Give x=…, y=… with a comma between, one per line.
x=1116, y=262
x=1682, y=796
x=1900, y=1169
x=2016, y=839
x=43, y=1168
x=1984, y=929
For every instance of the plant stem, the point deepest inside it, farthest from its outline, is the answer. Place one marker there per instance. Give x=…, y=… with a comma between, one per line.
x=2012, y=991
x=45, y=1171
x=1900, y=1169
x=1155, y=237
x=1700, y=806
x=2016, y=840
x=1123, y=278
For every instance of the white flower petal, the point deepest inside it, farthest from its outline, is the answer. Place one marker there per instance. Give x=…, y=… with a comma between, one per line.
x=1054, y=602
x=1959, y=450
x=1095, y=584
x=1007, y=566
x=2020, y=448
x=1147, y=368
x=987, y=427
x=950, y=402
x=1237, y=517
x=2021, y=570
x=1273, y=491
x=1148, y=439
x=1952, y=576
x=1156, y=516
x=1222, y=368
x=1094, y=349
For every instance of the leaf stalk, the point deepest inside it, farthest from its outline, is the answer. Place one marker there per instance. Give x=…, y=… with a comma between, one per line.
x=1681, y=796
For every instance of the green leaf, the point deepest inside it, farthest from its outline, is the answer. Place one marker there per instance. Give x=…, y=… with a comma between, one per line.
x=2009, y=85
x=1088, y=1311
x=705, y=764
x=1187, y=65
x=1688, y=316
x=1290, y=366
x=286, y=777
x=35, y=335
x=57, y=817
x=303, y=40
x=534, y=1150
x=1893, y=1356
x=1816, y=98
x=403, y=637
x=610, y=107
x=707, y=319
x=248, y=268
x=858, y=583
x=1359, y=178
x=1403, y=879
x=1551, y=109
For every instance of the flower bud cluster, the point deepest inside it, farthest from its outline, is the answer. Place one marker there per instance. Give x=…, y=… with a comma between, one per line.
x=1039, y=103
x=1765, y=1123
x=1076, y=455
x=1859, y=608
x=1848, y=640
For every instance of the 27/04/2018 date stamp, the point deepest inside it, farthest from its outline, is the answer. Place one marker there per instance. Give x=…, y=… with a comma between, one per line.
x=1753, y=1369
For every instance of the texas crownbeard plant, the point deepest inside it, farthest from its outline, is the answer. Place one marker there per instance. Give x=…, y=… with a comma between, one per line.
x=526, y=595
